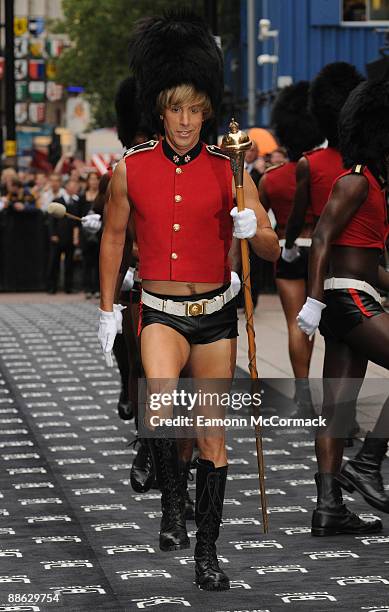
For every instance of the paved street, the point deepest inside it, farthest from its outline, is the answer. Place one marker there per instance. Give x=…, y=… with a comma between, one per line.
x=70, y=522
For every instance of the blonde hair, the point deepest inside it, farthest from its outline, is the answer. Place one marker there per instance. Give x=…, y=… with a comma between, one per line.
x=184, y=94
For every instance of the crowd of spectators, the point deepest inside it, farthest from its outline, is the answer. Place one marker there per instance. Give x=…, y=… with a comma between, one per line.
x=24, y=193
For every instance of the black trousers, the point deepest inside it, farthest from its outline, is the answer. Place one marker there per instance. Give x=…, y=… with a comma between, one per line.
x=56, y=250
x=90, y=256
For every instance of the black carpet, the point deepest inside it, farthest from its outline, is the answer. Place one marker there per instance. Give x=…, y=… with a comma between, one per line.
x=69, y=521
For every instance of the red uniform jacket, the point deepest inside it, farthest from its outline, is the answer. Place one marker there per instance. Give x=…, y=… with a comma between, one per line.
x=325, y=165
x=369, y=226
x=182, y=214
x=280, y=187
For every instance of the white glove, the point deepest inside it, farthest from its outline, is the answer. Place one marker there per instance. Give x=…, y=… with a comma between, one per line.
x=128, y=280
x=235, y=282
x=308, y=318
x=290, y=255
x=117, y=308
x=107, y=334
x=92, y=223
x=245, y=223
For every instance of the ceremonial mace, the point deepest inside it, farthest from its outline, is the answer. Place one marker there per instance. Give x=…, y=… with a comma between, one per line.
x=235, y=144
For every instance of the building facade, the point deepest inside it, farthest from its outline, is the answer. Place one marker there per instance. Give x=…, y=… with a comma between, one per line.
x=311, y=33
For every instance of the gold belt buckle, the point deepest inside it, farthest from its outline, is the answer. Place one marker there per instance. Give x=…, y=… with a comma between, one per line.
x=193, y=310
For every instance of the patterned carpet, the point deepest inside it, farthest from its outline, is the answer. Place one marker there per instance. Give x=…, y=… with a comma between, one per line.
x=70, y=523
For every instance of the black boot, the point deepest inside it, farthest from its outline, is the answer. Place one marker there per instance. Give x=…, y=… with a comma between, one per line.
x=210, y=486
x=332, y=517
x=142, y=472
x=363, y=473
x=189, y=503
x=303, y=399
x=125, y=409
x=173, y=534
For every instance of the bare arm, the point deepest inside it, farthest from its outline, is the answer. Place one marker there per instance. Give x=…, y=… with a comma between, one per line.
x=301, y=202
x=114, y=235
x=235, y=256
x=347, y=196
x=265, y=242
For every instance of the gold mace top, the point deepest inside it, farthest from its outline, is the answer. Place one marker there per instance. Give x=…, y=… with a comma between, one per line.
x=235, y=144
x=236, y=141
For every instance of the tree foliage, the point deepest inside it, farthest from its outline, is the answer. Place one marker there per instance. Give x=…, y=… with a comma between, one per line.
x=97, y=58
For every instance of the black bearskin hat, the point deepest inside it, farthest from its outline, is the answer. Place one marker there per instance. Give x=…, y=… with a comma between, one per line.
x=129, y=119
x=294, y=126
x=127, y=111
x=364, y=124
x=329, y=91
x=171, y=50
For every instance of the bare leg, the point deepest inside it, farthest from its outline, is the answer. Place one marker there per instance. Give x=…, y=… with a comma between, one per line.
x=293, y=295
x=343, y=374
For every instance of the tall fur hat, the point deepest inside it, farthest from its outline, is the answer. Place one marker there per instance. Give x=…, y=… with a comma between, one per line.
x=294, y=126
x=329, y=91
x=171, y=50
x=364, y=124
x=127, y=111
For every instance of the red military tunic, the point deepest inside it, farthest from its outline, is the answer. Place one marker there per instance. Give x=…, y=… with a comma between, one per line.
x=280, y=187
x=325, y=165
x=368, y=228
x=182, y=213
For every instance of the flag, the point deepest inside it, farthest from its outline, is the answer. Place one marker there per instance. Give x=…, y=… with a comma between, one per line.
x=54, y=91
x=21, y=47
x=20, y=26
x=36, y=26
x=36, y=69
x=36, y=112
x=51, y=70
x=21, y=112
x=54, y=47
x=21, y=91
x=36, y=90
x=36, y=47
x=21, y=69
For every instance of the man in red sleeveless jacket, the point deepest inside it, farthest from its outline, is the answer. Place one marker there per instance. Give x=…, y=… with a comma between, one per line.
x=184, y=220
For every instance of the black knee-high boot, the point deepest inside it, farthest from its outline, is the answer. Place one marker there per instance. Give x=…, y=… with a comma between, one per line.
x=332, y=517
x=363, y=473
x=210, y=487
x=189, y=503
x=173, y=534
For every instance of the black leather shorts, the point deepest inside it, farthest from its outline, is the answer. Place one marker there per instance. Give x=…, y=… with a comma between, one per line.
x=296, y=270
x=346, y=308
x=202, y=329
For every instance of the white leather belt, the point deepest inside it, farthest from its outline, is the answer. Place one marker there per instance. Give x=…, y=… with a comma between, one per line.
x=303, y=242
x=189, y=308
x=352, y=283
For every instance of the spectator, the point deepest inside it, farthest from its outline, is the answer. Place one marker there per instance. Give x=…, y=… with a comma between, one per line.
x=254, y=164
x=41, y=184
x=63, y=236
x=18, y=198
x=279, y=156
x=90, y=241
x=6, y=176
x=53, y=192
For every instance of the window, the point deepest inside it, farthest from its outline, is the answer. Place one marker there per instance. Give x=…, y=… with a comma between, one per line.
x=365, y=10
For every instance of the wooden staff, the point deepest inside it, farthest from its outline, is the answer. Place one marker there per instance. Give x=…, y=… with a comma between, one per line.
x=59, y=210
x=235, y=144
